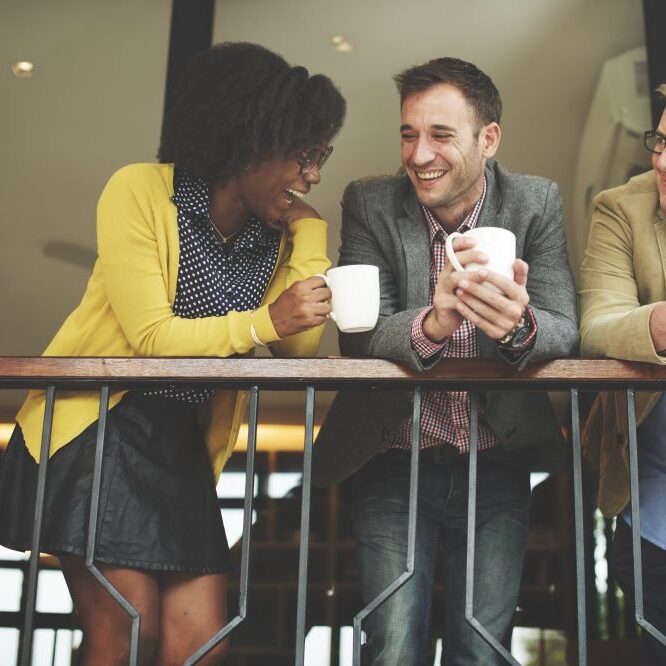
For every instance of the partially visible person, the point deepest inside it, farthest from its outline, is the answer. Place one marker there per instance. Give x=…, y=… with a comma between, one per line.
x=429, y=314
x=623, y=315
x=209, y=253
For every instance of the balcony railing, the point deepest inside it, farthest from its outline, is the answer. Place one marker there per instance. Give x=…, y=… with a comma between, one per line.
x=311, y=375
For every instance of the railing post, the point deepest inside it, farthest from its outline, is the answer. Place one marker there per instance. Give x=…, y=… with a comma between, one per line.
x=471, y=534
x=636, y=520
x=247, y=528
x=579, y=528
x=25, y=658
x=92, y=530
x=411, y=532
x=301, y=608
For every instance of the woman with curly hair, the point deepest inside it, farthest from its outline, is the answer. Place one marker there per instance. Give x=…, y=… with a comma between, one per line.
x=211, y=252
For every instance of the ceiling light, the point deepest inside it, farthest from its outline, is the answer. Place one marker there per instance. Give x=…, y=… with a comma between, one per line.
x=341, y=44
x=23, y=68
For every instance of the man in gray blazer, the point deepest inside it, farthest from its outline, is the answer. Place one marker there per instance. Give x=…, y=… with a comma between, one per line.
x=450, y=114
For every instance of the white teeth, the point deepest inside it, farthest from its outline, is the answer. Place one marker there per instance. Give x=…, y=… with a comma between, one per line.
x=295, y=193
x=429, y=175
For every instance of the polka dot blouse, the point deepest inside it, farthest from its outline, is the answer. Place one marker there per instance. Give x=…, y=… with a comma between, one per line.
x=215, y=278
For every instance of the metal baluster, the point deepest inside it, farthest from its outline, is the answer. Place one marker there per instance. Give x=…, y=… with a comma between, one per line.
x=92, y=529
x=579, y=528
x=471, y=534
x=305, y=527
x=411, y=532
x=55, y=645
x=636, y=521
x=33, y=566
x=247, y=526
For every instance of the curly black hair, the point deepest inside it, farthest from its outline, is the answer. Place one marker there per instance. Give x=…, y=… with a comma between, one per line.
x=239, y=104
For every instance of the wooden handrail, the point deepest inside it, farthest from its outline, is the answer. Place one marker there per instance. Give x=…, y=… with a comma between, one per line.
x=324, y=373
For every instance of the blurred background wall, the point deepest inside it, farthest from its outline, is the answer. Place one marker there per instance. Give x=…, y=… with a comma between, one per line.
x=94, y=103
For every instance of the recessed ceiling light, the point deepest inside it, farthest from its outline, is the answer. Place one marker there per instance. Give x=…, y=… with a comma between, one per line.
x=23, y=68
x=341, y=44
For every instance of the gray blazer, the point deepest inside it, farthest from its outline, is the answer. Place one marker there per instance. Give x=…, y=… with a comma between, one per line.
x=383, y=225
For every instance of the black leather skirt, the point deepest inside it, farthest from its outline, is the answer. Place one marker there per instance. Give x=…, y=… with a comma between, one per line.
x=158, y=506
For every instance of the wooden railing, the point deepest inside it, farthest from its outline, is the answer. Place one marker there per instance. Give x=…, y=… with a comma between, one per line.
x=310, y=375
x=331, y=373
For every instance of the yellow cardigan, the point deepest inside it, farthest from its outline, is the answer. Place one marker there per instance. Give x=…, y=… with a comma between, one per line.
x=126, y=309
x=622, y=281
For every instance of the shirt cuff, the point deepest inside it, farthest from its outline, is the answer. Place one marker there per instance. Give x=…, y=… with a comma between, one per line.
x=421, y=344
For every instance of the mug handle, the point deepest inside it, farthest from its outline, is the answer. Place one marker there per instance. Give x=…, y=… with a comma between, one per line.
x=327, y=280
x=450, y=254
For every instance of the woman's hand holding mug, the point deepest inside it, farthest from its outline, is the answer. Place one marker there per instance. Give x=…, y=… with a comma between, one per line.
x=301, y=307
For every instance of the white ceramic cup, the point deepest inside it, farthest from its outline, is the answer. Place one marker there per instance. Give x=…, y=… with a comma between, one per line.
x=497, y=243
x=355, y=299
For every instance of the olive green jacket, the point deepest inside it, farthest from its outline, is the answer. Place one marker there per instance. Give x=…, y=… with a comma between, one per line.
x=622, y=280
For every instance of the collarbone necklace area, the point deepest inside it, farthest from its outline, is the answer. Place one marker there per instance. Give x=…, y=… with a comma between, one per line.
x=226, y=240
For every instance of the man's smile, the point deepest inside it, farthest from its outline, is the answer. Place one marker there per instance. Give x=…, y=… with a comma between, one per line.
x=431, y=174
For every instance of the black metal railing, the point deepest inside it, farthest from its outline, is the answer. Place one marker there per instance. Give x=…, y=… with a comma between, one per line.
x=254, y=375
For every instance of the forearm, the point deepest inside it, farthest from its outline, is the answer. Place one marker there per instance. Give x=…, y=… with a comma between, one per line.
x=390, y=339
x=619, y=332
x=307, y=254
x=556, y=337
x=658, y=327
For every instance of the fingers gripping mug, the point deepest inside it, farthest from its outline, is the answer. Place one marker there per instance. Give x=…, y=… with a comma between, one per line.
x=355, y=299
x=497, y=243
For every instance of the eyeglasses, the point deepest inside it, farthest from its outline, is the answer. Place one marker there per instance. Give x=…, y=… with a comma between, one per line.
x=315, y=157
x=654, y=142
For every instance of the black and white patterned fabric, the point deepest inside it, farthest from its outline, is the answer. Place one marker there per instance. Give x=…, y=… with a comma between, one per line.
x=214, y=278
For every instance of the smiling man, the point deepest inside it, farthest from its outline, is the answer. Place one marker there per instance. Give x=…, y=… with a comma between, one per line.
x=623, y=308
x=450, y=115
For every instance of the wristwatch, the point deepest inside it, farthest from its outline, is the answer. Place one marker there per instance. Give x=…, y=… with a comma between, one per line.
x=517, y=335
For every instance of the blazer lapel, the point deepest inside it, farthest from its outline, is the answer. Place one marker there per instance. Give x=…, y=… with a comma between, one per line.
x=413, y=232
x=491, y=213
x=660, y=233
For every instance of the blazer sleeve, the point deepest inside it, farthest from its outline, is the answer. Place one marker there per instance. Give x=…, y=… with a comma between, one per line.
x=550, y=284
x=134, y=274
x=614, y=324
x=362, y=243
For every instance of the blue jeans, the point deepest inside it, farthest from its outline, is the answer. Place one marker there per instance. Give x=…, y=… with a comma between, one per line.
x=398, y=631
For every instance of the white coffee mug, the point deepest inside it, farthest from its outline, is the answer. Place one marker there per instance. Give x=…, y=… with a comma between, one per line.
x=355, y=297
x=498, y=244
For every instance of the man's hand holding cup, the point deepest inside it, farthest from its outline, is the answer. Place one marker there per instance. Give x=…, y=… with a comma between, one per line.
x=483, y=282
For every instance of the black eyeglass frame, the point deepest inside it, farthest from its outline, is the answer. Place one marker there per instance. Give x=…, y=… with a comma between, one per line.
x=308, y=162
x=651, y=134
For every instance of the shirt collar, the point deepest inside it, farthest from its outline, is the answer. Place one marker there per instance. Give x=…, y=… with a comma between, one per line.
x=191, y=196
x=254, y=234
x=190, y=193
x=470, y=221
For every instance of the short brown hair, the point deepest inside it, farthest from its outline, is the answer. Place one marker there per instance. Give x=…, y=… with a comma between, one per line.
x=476, y=86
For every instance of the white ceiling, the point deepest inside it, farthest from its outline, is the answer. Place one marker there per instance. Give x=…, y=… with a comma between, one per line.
x=95, y=103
